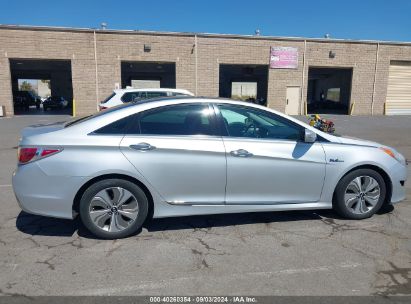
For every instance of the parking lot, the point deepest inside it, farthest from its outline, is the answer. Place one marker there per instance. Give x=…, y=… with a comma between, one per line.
x=277, y=253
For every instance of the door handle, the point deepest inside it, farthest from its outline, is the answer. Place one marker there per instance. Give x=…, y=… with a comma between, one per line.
x=142, y=147
x=241, y=153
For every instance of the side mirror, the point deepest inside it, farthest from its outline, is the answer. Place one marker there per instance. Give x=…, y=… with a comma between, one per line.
x=309, y=136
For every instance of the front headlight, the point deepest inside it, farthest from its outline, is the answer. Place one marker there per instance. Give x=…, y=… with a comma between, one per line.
x=394, y=154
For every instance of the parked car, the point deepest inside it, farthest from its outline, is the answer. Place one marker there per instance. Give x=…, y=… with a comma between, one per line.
x=121, y=96
x=25, y=99
x=55, y=102
x=189, y=156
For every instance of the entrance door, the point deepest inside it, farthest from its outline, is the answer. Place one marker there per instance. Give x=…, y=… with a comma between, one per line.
x=292, y=101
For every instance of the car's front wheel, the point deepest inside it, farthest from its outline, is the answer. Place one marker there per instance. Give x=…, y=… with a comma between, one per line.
x=359, y=194
x=113, y=208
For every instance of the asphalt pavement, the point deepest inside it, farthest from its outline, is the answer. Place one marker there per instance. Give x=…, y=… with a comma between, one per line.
x=276, y=253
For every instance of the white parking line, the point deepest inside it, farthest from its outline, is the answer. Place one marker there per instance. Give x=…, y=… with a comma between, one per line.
x=4, y=186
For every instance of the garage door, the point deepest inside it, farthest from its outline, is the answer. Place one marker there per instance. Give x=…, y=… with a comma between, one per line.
x=399, y=88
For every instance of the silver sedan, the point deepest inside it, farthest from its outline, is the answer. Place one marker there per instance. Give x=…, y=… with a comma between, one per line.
x=191, y=156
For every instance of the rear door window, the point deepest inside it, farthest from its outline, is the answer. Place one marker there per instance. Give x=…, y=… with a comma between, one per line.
x=178, y=120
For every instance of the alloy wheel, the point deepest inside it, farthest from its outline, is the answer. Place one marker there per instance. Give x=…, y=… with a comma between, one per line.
x=113, y=209
x=362, y=194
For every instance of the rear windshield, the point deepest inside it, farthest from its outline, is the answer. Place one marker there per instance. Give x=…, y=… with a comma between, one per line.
x=109, y=97
x=85, y=118
x=115, y=108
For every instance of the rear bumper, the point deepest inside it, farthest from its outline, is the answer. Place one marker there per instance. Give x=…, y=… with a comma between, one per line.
x=398, y=175
x=40, y=194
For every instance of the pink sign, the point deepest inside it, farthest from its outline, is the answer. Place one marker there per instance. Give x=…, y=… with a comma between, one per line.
x=283, y=58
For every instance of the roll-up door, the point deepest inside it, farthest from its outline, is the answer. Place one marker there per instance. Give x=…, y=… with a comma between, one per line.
x=399, y=89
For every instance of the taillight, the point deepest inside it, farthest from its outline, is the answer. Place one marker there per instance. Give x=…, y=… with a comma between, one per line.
x=46, y=152
x=102, y=108
x=26, y=155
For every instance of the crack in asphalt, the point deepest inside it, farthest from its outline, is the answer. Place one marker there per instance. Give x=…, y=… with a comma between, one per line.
x=113, y=248
x=397, y=281
x=203, y=263
x=202, y=255
x=48, y=263
x=337, y=228
x=205, y=244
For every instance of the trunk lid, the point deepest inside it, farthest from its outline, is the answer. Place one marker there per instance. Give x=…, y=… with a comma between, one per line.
x=42, y=128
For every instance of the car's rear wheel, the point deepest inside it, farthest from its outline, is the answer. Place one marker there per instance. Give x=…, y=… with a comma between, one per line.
x=113, y=208
x=360, y=194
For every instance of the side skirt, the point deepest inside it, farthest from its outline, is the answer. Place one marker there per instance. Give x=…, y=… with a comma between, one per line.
x=162, y=210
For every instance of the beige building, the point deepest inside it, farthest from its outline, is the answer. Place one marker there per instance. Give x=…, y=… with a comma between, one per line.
x=288, y=74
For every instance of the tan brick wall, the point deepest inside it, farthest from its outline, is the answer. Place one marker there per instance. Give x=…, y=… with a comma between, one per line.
x=75, y=46
x=114, y=47
x=5, y=85
x=359, y=57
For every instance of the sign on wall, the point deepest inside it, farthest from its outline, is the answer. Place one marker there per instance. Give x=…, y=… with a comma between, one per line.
x=283, y=58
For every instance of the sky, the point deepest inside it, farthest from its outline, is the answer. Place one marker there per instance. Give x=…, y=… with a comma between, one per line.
x=345, y=19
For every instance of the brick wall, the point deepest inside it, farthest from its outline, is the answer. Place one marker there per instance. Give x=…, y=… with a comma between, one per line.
x=114, y=47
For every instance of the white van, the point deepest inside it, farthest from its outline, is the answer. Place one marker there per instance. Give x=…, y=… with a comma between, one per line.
x=121, y=96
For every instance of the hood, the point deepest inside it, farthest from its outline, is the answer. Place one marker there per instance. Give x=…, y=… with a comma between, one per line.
x=358, y=142
x=42, y=128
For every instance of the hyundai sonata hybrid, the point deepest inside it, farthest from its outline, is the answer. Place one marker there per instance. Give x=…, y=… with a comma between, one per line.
x=190, y=156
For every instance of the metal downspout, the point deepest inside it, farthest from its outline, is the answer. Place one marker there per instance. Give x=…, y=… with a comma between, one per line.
x=96, y=69
x=375, y=79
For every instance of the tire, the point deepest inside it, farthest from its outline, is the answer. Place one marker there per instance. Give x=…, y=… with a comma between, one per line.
x=37, y=106
x=104, y=215
x=352, y=203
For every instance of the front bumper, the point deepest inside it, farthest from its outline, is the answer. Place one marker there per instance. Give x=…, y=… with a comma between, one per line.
x=398, y=176
x=41, y=194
